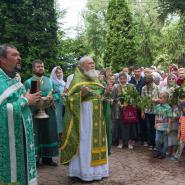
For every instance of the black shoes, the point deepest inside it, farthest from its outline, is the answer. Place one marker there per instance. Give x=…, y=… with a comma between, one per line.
x=156, y=155
x=52, y=163
x=48, y=162
x=159, y=156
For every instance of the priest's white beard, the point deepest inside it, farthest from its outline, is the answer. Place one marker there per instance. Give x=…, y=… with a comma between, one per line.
x=91, y=73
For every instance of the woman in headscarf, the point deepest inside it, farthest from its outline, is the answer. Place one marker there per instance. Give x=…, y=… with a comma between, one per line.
x=171, y=84
x=172, y=136
x=57, y=77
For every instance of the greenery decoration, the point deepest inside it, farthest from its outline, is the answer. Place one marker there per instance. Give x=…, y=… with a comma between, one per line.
x=129, y=95
x=178, y=94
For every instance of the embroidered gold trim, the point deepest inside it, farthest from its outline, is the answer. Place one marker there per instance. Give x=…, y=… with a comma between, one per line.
x=98, y=162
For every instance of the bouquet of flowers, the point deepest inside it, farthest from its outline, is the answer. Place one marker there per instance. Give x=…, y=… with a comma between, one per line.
x=179, y=94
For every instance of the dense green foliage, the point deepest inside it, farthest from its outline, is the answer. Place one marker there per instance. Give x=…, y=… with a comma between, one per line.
x=173, y=35
x=116, y=33
x=170, y=7
x=120, y=49
x=147, y=31
x=70, y=51
x=94, y=18
x=31, y=26
x=154, y=40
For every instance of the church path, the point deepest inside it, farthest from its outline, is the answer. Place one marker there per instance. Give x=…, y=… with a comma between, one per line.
x=136, y=167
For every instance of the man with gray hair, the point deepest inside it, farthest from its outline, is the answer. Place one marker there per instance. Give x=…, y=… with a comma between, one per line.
x=17, y=159
x=88, y=66
x=84, y=142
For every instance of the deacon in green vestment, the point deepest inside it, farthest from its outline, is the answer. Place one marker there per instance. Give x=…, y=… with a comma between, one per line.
x=108, y=81
x=17, y=151
x=107, y=110
x=84, y=142
x=45, y=130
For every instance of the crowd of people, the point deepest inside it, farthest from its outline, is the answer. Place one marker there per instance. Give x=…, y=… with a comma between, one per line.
x=158, y=126
x=84, y=116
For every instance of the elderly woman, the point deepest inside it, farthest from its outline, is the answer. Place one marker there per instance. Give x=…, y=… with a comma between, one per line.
x=57, y=77
x=172, y=136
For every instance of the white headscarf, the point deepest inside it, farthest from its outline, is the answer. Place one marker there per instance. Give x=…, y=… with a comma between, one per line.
x=53, y=76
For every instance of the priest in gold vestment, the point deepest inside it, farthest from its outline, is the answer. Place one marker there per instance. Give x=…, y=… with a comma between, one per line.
x=84, y=143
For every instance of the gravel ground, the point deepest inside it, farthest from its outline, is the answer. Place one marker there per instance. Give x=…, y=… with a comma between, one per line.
x=136, y=167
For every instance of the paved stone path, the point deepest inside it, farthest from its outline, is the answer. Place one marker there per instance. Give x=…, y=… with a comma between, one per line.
x=137, y=167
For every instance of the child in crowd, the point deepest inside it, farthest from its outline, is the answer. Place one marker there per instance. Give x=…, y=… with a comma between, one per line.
x=163, y=114
x=181, y=134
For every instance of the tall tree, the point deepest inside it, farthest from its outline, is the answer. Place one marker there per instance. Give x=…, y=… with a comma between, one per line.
x=94, y=17
x=167, y=7
x=31, y=25
x=70, y=51
x=43, y=32
x=13, y=24
x=119, y=39
x=147, y=30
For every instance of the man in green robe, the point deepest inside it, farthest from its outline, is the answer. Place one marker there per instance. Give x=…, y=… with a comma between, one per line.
x=45, y=130
x=84, y=142
x=17, y=151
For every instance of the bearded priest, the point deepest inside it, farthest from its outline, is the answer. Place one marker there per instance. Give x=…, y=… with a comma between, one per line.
x=17, y=151
x=84, y=143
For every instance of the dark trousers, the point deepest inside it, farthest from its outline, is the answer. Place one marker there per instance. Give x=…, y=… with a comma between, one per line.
x=129, y=131
x=116, y=130
x=143, y=130
x=150, y=123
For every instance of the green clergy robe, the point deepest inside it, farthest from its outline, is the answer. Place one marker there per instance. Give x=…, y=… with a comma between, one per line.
x=17, y=152
x=45, y=130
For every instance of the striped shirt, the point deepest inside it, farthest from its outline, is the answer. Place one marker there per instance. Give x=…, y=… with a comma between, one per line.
x=182, y=125
x=152, y=92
